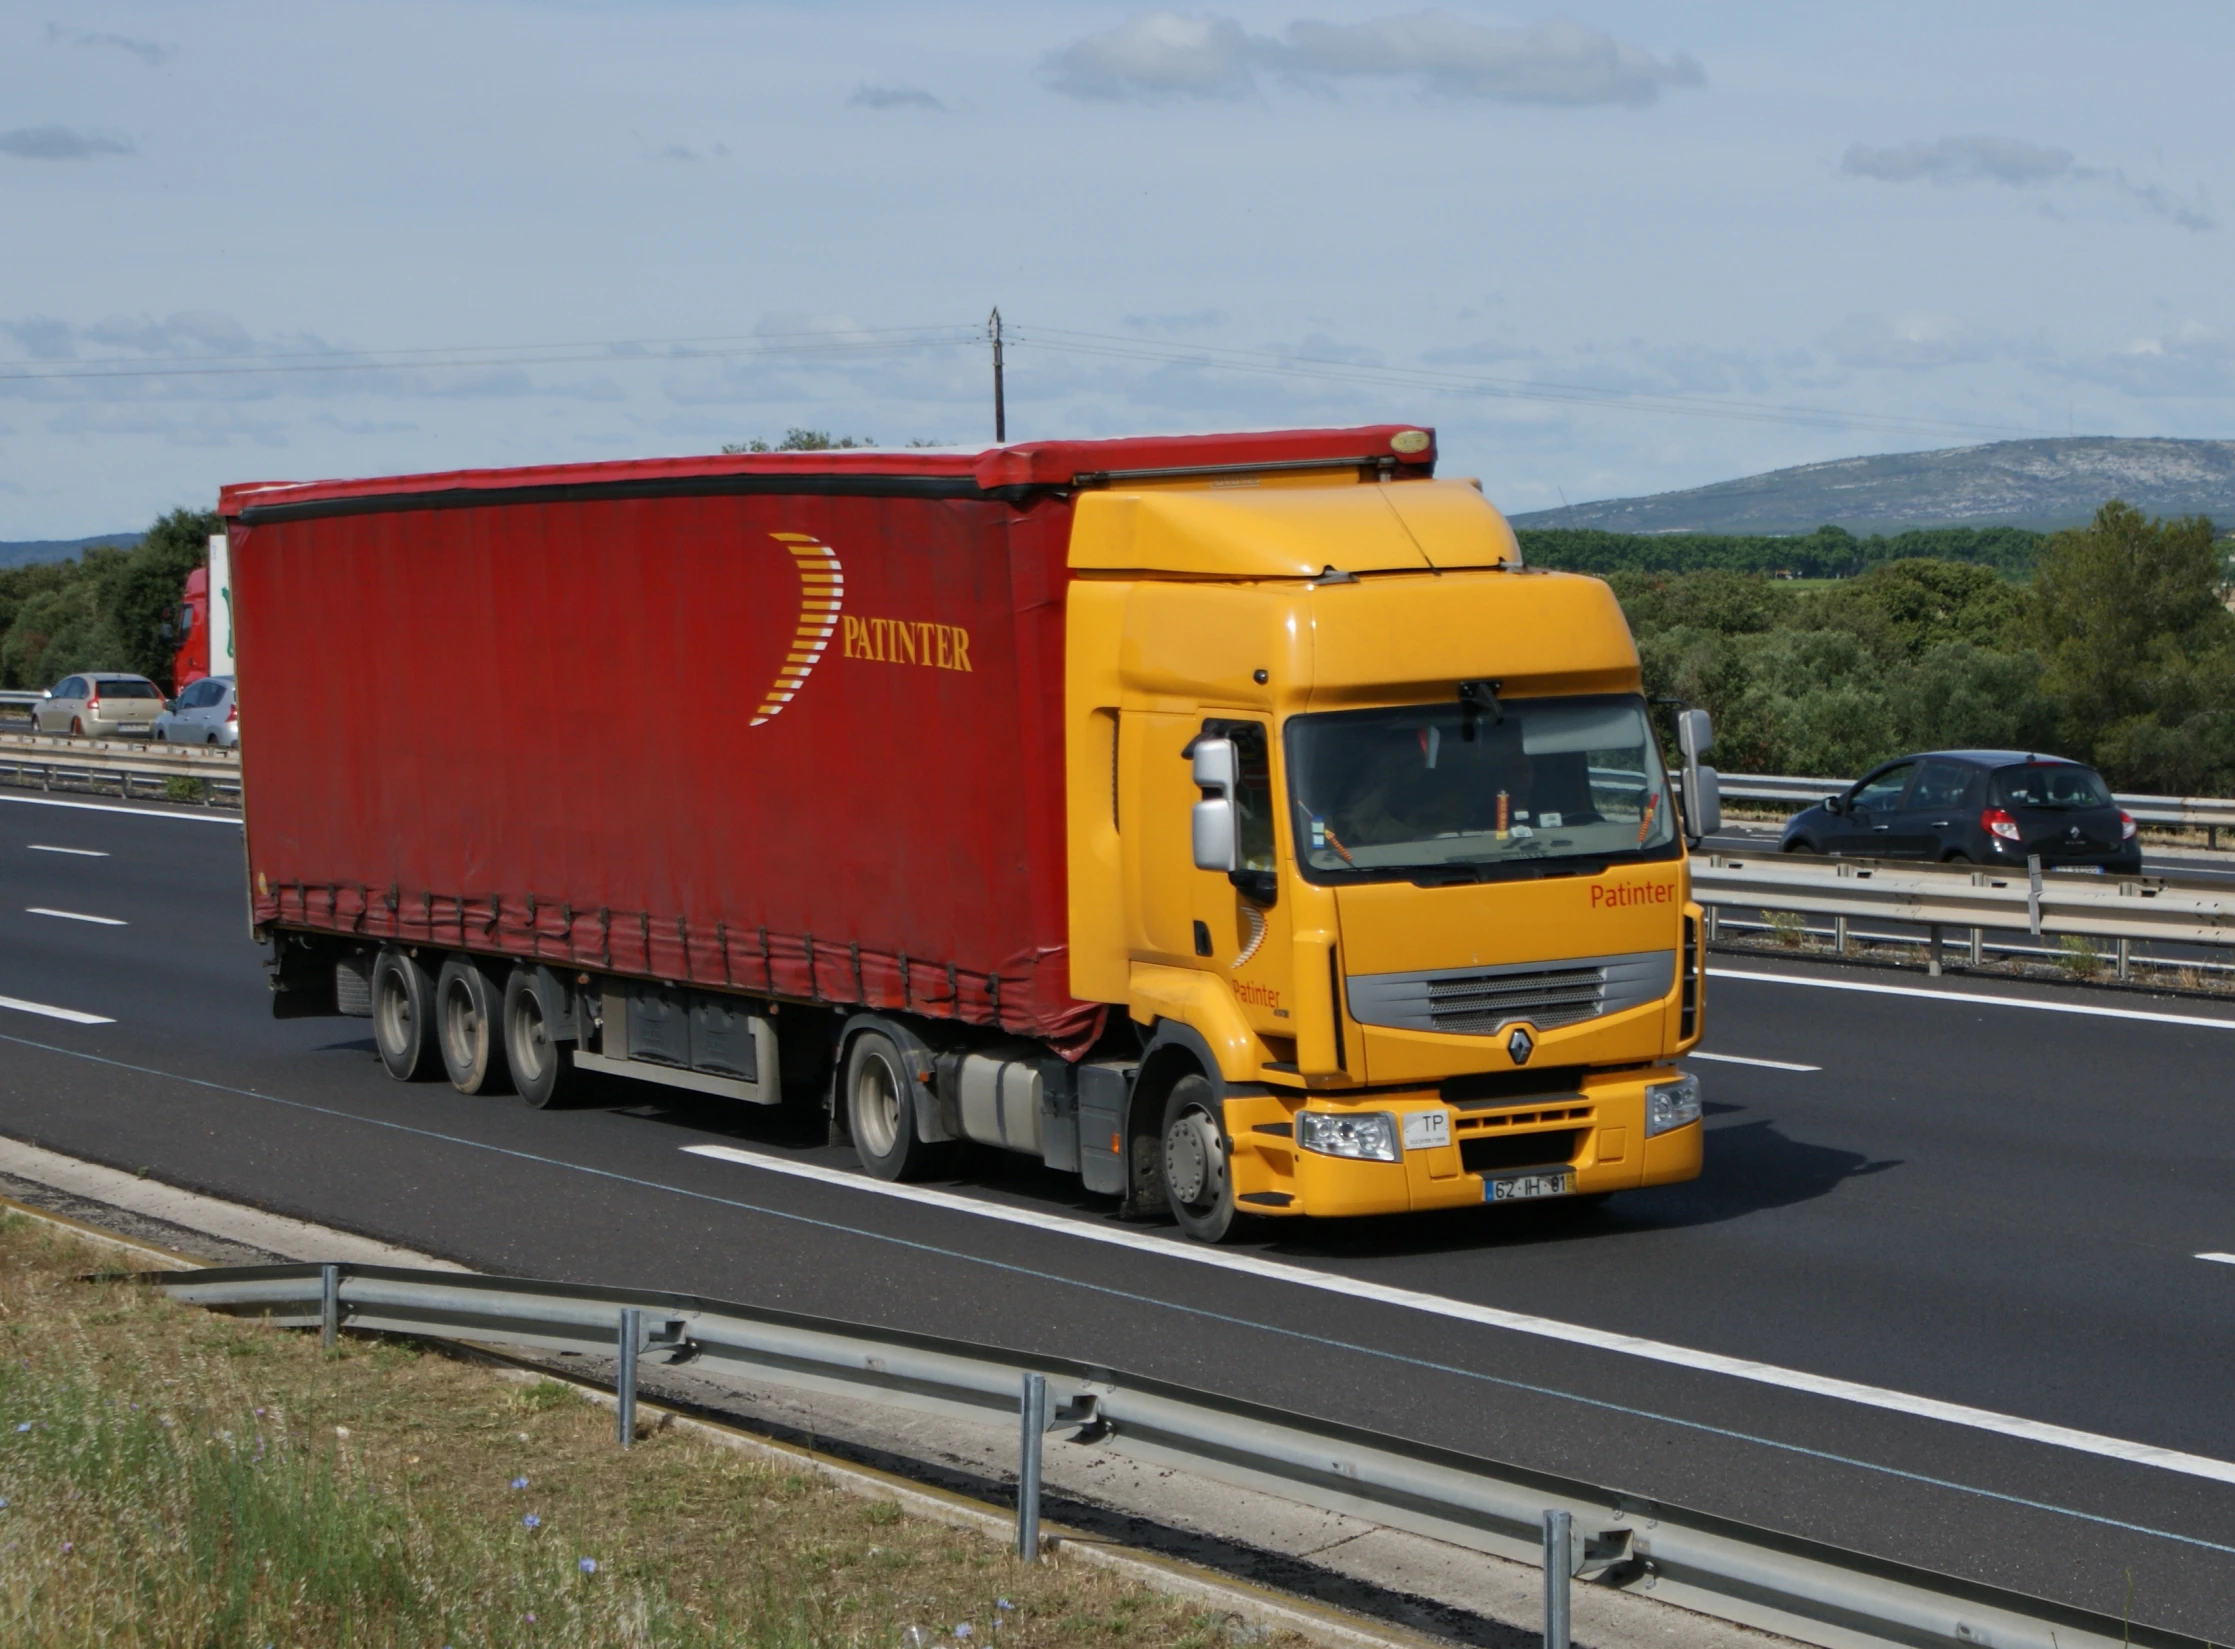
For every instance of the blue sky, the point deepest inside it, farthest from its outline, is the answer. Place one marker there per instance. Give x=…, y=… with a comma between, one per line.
x=1605, y=251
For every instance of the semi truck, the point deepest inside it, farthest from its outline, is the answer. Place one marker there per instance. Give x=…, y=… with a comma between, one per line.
x=1233, y=821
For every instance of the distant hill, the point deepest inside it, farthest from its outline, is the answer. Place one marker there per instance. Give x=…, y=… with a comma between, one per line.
x=22, y=552
x=2042, y=485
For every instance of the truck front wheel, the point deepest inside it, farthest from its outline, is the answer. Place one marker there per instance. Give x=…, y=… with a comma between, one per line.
x=403, y=1016
x=881, y=1108
x=542, y=1069
x=1197, y=1185
x=466, y=1017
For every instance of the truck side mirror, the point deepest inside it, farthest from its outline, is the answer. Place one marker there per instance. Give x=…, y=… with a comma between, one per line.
x=1216, y=828
x=1703, y=795
x=1703, y=800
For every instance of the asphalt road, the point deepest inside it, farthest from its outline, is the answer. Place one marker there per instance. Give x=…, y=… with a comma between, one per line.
x=1934, y=1197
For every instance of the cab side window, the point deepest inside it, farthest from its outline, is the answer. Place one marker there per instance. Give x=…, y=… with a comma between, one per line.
x=1881, y=793
x=1253, y=798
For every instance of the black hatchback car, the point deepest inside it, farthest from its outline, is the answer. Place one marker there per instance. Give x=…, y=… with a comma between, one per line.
x=1987, y=807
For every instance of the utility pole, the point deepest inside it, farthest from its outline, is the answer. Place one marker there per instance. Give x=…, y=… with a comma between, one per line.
x=1000, y=410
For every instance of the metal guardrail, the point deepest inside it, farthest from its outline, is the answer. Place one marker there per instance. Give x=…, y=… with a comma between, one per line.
x=2207, y=812
x=132, y=768
x=2124, y=911
x=1818, y=1593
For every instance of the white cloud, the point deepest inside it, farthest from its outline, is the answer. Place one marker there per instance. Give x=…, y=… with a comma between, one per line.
x=153, y=53
x=62, y=143
x=1952, y=160
x=895, y=97
x=1158, y=55
x=1911, y=340
x=1163, y=55
x=1949, y=161
x=1555, y=61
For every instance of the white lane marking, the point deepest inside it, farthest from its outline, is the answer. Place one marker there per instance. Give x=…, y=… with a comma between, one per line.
x=75, y=852
x=50, y=1012
x=1982, y=1001
x=1742, y=1059
x=76, y=916
x=128, y=812
x=1258, y=1269
x=2224, y=1259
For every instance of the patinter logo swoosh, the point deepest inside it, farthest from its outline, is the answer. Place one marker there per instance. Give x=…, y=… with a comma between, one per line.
x=822, y=592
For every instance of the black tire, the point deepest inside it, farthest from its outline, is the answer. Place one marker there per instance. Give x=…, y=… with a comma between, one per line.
x=1194, y=1155
x=77, y=728
x=1800, y=847
x=468, y=1012
x=1959, y=857
x=542, y=1069
x=879, y=1094
x=403, y=1016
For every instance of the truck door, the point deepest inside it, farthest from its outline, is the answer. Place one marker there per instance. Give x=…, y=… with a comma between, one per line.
x=1241, y=924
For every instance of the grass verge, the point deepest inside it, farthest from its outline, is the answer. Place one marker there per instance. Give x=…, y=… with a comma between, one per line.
x=171, y=1477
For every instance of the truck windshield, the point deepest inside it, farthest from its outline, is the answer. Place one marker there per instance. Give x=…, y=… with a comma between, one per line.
x=1450, y=791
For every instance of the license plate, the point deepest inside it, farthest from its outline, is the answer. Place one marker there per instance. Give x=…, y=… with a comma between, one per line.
x=131, y=727
x=1522, y=1187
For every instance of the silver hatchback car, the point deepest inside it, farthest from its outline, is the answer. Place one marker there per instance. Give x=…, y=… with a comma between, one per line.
x=208, y=712
x=99, y=704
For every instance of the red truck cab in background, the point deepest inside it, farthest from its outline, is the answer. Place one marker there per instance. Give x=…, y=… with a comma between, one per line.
x=191, y=624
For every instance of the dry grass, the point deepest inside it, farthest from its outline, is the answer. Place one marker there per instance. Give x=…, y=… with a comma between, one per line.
x=170, y=1477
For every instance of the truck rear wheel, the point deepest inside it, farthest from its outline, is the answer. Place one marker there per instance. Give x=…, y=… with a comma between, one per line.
x=542, y=1069
x=403, y=1016
x=1198, y=1187
x=881, y=1108
x=466, y=1018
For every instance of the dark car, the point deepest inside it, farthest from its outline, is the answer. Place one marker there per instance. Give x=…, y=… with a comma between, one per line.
x=1986, y=807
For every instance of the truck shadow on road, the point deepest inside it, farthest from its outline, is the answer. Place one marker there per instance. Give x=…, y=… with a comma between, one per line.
x=1751, y=1167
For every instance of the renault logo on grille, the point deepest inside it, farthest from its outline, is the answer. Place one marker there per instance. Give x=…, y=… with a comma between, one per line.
x=1521, y=1045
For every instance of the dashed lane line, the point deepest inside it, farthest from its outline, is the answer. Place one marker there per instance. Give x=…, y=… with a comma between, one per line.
x=77, y=916
x=1260, y=1268
x=74, y=852
x=2086, y=1009
x=2224, y=1259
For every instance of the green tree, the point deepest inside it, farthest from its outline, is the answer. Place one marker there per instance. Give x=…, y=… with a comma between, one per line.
x=2137, y=645
x=803, y=440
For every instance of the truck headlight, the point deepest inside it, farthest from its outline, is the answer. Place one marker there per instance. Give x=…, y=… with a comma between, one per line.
x=1671, y=1104
x=1371, y=1135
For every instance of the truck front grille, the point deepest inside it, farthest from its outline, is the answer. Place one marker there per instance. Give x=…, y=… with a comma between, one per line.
x=1478, y=1004
x=1483, y=1001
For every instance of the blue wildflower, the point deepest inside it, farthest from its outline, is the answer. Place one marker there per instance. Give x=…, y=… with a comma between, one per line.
x=519, y=1482
x=589, y=1565
x=532, y=1521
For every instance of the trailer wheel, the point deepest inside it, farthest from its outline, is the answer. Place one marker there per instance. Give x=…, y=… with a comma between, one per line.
x=1198, y=1186
x=467, y=1010
x=403, y=1016
x=880, y=1108
x=542, y=1070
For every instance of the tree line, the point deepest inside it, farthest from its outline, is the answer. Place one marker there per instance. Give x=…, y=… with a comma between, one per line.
x=1828, y=552
x=2119, y=650
x=105, y=610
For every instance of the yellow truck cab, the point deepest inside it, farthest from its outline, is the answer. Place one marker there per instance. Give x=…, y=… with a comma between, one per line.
x=1371, y=836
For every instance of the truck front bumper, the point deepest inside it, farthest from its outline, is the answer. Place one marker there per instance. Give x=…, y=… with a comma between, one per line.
x=1596, y=1138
